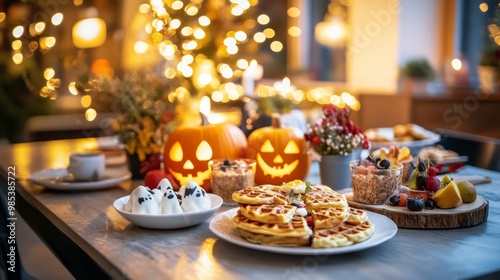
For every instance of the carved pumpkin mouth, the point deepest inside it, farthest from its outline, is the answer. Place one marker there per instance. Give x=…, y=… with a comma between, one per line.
x=198, y=179
x=276, y=171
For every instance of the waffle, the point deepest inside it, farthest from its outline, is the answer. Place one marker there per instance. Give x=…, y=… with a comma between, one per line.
x=297, y=227
x=344, y=235
x=274, y=240
x=267, y=216
x=322, y=196
x=329, y=217
x=264, y=194
x=356, y=216
x=268, y=213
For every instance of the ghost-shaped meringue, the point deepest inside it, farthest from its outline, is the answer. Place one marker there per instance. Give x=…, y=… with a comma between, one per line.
x=142, y=201
x=157, y=194
x=169, y=203
x=164, y=185
x=194, y=198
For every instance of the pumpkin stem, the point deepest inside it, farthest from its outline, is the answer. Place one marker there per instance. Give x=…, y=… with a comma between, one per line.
x=275, y=120
x=204, y=119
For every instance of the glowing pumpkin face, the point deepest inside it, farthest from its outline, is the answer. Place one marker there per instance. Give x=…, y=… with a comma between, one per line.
x=280, y=154
x=188, y=150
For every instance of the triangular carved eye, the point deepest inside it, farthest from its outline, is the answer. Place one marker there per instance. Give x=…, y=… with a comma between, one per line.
x=267, y=147
x=176, y=153
x=204, y=151
x=291, y=148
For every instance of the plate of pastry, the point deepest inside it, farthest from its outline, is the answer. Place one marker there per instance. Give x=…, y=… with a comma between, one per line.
x=410, y=135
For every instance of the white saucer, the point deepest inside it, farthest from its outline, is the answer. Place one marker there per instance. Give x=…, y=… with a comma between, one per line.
x=167, y=221
x=58, y=179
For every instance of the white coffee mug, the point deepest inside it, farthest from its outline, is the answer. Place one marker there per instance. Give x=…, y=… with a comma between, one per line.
x=89, y=166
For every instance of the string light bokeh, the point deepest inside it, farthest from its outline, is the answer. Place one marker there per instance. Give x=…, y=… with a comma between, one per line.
x=206, y=46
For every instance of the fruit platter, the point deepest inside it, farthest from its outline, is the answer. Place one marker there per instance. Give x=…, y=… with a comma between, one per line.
x=423, y=200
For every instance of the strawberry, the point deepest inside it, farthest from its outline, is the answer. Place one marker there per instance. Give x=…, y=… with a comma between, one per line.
x=310, y=221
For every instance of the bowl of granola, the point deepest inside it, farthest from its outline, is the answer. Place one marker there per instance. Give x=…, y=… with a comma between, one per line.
x=228, y=176
x=374, y=181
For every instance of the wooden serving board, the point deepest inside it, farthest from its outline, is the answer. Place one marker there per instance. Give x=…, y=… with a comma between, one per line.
x=468, y=214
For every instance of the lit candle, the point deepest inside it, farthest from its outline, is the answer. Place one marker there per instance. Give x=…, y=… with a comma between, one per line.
x=457, y=72
x=253, y=72
x=284, y=87
x=461, y=72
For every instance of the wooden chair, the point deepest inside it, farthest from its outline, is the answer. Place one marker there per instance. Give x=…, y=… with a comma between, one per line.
x=482, y=151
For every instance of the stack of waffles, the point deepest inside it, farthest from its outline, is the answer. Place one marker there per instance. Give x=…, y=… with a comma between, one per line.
x=298, y=214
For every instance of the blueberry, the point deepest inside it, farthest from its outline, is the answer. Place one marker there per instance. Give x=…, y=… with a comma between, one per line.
x=429, y=204
x=383, y=164
x=415, y=204
x=394, y=200
x=227, y=162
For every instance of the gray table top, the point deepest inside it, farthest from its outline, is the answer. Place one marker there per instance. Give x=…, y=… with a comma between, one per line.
x=124, y=250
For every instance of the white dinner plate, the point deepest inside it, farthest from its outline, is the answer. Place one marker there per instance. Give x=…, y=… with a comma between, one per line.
x=57, y=179
x=167, y=221
x=222, y=226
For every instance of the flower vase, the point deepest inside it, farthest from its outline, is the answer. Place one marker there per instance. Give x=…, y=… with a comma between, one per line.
x=334, y=170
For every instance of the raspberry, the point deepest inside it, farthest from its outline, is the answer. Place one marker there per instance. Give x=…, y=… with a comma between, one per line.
x=432, y=171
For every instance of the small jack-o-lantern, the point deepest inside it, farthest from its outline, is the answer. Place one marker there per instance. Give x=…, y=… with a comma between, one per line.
x=280, y=153
x=188, y=150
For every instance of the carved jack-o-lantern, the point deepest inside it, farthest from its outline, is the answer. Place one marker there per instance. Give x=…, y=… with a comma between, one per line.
x=280, y=153
x=188, y=150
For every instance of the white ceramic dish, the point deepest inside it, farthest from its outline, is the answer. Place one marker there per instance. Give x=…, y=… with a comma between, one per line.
x=59, y=179
x=164, y=221
x=414, y=146
x=222, y=226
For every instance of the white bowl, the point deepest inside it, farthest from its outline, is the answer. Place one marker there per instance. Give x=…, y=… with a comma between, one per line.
x=167, y=221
